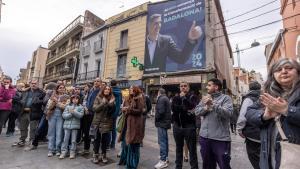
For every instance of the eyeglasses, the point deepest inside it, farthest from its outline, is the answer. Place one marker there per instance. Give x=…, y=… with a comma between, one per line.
x=97, y=81
x=287, y=67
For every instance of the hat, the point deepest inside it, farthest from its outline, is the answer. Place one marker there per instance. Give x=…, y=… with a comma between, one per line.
x=51, y=86
x=254, y=85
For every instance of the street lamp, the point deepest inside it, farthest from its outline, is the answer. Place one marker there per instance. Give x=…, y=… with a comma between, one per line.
x=253, y=44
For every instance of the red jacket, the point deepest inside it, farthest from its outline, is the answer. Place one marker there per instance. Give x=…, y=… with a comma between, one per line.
x=6, y=96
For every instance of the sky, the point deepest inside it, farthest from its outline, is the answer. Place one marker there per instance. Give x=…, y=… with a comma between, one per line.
x=25, y=25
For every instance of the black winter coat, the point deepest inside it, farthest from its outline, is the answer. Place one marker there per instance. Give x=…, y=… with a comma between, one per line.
x=163, y=112
x=16, y=102
x=181, y=115
x=36, y=112
x=290, y=125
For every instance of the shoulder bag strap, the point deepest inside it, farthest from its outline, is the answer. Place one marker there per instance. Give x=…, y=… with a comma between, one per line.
x=280, y=130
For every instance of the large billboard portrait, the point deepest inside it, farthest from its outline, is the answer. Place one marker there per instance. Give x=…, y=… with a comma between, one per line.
x=175, y=39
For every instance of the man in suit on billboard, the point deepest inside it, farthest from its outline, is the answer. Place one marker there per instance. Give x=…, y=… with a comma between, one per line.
x=159, y=47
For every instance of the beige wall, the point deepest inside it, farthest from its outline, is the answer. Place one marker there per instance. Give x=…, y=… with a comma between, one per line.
x=38, y=69
x=136, y=43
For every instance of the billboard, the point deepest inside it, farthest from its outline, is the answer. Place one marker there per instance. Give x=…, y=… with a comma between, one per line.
x=175, y=39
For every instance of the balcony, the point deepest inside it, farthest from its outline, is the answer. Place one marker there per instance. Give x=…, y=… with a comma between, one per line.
x=98, y=46
x=63, y=74
x=70, y=49
x=78, y=21
x=87, y=77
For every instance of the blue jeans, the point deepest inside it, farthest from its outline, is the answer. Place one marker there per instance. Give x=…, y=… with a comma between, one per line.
x=55, y=130
x=163, y=142
x=69, y=133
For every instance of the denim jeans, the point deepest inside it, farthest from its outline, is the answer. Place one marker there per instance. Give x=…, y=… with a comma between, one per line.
x=55, y=131
x=73, y=134
x=163, y=141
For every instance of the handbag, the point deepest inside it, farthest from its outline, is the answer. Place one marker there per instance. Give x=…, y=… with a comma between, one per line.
x=121, y=123
x=289, y=152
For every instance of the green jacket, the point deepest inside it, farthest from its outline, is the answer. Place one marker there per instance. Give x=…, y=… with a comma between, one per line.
x=103, y=117
x=72, y=120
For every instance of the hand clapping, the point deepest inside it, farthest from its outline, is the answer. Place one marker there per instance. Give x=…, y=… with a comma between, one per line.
x=277, y=105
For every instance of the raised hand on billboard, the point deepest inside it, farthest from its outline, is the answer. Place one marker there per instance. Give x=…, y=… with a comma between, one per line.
x=195, y=32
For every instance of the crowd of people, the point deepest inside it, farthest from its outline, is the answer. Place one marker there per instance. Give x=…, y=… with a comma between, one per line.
x=93, y=114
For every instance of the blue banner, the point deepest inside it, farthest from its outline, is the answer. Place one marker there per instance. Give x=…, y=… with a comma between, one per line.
x=175, y=39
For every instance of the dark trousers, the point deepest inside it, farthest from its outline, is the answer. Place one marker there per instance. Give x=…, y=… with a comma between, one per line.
x=189, y=135
x=113, y=135
x=12, y=122
x=101, y=139
x=3, y=117
x=213, y=152
x=86, y=124
x=40, y=131
x=233, y=127
x=253, y=151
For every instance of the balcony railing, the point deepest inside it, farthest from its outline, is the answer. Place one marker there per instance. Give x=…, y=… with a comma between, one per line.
x=58, y=75
x=98, y=46
x=78, y=21
x=69, y=49
x=88, y=76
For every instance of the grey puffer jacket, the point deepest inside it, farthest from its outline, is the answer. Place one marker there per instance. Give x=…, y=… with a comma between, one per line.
x=72, y=120
x=215, y=124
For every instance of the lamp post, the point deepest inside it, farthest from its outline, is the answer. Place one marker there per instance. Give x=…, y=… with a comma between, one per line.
x=1, y=3
x=253, y=44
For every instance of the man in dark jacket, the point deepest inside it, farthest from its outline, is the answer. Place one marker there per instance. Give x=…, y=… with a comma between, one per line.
x=89, y=115
x=163, y=123
x=184, y=127
x=118, y=99
x=32, y=102
x=250, y=132
x=15, y=111
x=42, y=128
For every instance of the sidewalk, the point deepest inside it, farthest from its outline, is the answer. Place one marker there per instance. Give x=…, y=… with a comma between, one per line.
x=17, y=158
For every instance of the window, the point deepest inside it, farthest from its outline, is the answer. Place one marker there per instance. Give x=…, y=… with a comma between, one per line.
x=124, y=39
x=98, y=67
x=60, y=67
x=121, y=70
x=85, y=70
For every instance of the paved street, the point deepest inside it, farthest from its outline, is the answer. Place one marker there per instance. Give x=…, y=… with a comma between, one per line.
x=17, y=158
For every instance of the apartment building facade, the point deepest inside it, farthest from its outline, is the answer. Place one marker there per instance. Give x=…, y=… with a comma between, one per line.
x=125, y=45
x=287, y=41
x=38, y=65
x=63, y=59
x=92, y=56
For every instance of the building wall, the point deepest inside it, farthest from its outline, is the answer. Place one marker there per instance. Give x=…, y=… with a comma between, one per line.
x=38, y=65
x=218, y=47
x=136, y=42
x=292, y=26
x=91, y=57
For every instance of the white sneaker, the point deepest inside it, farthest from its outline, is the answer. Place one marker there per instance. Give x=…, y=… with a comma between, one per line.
x=161, y=164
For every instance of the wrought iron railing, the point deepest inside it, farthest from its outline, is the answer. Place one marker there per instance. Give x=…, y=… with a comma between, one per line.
x=79, y=20
x=61, y=53
x=88, y=76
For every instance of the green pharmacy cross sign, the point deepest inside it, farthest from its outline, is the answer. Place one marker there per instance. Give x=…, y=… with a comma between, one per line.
x=136, y=63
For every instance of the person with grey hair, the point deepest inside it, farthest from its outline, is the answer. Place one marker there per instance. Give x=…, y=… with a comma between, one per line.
x=159, y=47
x=280, y=102
x=163, y=123
x=31, y=113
